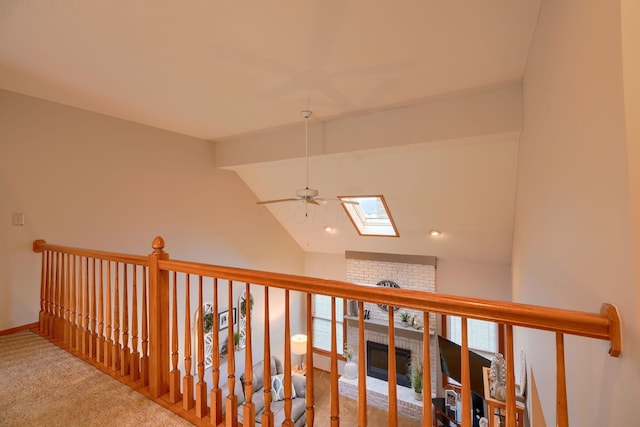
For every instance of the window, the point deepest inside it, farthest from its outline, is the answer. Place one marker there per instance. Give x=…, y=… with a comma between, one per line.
x=321, y=313
x=370, y=215
x=482, y=335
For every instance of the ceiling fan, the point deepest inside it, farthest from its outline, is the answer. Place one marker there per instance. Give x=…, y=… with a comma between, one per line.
x=306, y=195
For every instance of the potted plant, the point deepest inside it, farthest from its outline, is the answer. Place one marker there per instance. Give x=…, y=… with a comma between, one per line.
x=243, y=305
x=405, y=317
x=207, y=322
x=416, y=377
x=236, y=339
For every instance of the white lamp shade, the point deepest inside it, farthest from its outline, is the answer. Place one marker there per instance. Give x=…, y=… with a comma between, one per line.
x=299, y=344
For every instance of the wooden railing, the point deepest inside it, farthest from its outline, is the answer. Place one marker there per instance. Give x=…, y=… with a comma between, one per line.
x=124, y=313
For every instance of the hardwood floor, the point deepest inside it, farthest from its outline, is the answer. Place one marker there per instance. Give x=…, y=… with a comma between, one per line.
x=348, y=408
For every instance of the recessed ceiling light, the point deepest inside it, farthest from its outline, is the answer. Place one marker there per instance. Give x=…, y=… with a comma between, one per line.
x=435, y=233
x=329, y=229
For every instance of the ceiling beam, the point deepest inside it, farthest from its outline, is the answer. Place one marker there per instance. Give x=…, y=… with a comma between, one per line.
x=484, y=113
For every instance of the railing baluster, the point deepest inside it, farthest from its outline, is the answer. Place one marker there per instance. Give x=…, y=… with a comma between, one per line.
x=100, y=341
x=288, y=422
x=511, y=380
x=108, y=345
x=67, y=301
x=310, y=411
x=215, y=414
x=174, y=380
x=391, y=368
x=362, y=373
x=125, y=352
x=465, y=375
x=135, y=354
x=201, y=386
x=93, y=325
x=54, y=297
x=144, y=361
x=335, y=402
x=49, y=293
x=85, y=309
x=187, y=381
x=79, y=308
x=249, y=409
x=427, y=412
x=74, y=300
x=231, y=403
x=267, y=414
x=562, y=415
x=60, y=298
x=115, y=353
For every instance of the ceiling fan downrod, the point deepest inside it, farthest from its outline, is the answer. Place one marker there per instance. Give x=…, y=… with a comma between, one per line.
x=306, y=114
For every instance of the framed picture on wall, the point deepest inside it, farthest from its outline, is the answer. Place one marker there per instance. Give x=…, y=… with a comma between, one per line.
x=223, y=320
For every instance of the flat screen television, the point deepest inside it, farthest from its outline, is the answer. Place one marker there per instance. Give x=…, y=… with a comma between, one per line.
x=450, y=363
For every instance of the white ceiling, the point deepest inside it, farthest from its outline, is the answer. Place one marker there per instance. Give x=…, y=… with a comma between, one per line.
x=220, y=70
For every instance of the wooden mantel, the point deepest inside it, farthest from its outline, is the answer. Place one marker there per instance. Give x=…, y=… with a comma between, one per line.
x=382, y=327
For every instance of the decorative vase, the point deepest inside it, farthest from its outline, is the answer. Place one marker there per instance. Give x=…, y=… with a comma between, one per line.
x=417, y=395
x=350, y=370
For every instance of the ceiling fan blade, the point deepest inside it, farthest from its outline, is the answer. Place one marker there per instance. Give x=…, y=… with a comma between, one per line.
x=266, y=202
x=312, y=201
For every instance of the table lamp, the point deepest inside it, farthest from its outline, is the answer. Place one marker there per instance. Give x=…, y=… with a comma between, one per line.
x=299, y=347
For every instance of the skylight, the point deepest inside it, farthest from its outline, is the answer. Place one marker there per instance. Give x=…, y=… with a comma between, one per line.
x=370, y=215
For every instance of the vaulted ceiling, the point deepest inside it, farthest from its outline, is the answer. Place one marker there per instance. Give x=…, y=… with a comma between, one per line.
x=415, y=100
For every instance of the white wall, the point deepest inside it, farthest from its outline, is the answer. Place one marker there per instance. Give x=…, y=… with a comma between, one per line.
x=631, y=73
x=92, y=181
x=472, y=279
x=572, y=237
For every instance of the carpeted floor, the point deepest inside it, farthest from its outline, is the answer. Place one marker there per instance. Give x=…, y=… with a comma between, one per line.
x=43, y=385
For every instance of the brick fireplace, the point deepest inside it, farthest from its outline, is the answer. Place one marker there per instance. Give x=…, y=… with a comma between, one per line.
x=408, y=272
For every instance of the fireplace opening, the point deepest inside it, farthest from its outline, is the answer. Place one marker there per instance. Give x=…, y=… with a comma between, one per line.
x=377, y=363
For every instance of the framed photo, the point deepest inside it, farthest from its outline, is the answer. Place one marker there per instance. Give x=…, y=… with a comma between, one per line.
x=223, y=320
x=224, y=317
x=451, y=398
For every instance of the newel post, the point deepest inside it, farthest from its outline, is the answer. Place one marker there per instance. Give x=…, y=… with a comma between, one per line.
x=158, y=321
x=42, y=316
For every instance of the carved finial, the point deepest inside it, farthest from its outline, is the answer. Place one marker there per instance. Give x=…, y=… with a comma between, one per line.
x=158, y=244
x=37, y=245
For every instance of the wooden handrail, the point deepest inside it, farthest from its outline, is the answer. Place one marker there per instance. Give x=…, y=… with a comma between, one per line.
x=41, y=245
x=93, y=318
x=603, y=325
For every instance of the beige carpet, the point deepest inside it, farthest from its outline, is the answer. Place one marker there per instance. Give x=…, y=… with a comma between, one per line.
x=43, y=385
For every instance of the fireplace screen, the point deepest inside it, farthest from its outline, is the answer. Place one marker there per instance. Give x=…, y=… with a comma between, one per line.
x=377, y=363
